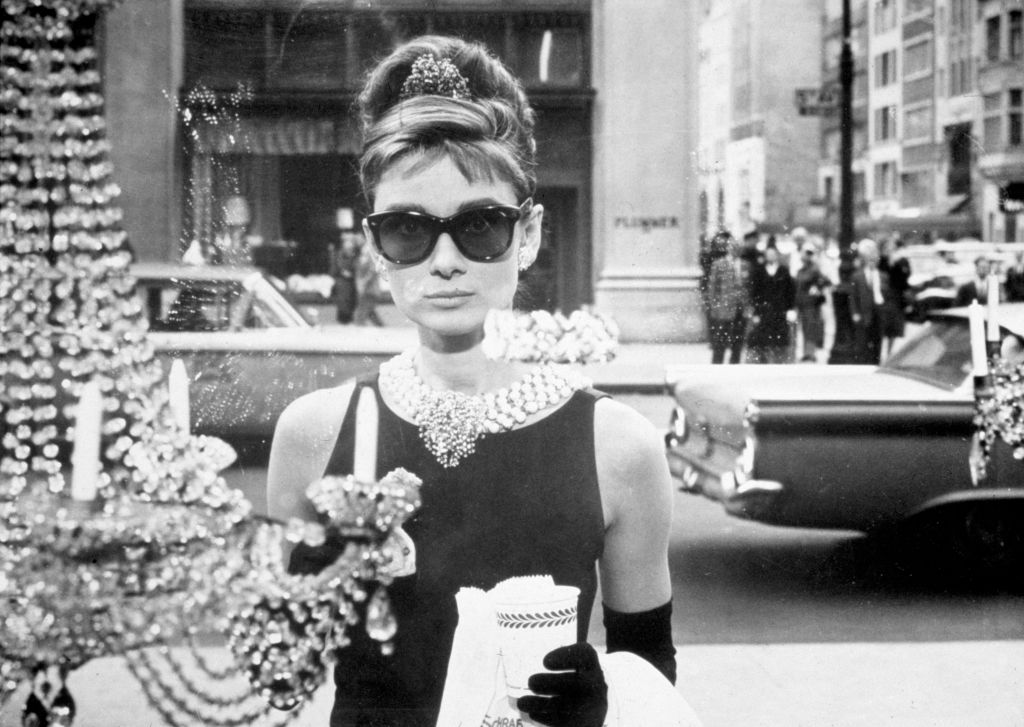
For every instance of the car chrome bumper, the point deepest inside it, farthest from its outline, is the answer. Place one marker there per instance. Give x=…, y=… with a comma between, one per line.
x=747, y=497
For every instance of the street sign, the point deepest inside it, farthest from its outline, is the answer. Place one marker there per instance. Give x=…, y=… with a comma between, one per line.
x=816, y=101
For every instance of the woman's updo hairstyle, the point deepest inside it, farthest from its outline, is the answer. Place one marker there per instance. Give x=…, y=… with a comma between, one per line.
x=488, y=134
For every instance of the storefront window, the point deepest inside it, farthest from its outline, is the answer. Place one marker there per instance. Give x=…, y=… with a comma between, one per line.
x=224, y=49
x=552, y=57
x=308, y=50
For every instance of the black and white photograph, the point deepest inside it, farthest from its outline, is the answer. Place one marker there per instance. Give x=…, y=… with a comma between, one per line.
x=521, y=363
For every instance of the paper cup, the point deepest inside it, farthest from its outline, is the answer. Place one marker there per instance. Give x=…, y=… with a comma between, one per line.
x=529, y=626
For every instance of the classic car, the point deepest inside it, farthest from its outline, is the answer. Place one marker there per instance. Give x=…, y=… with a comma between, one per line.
x=936, y=290
x=852, y=447
x=247, y=349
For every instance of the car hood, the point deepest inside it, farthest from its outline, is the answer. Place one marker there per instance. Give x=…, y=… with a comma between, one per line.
x=717, y=396
x=354, y=339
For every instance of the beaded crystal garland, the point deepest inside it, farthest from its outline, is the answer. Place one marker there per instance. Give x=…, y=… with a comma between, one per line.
x=451, y=422
x=161, y=551
x=1001, y=414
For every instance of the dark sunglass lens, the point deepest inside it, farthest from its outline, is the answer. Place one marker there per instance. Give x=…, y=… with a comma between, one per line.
x=404, y=237
x=484, y=233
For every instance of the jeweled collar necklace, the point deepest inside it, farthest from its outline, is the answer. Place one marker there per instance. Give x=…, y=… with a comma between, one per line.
x=451, y=422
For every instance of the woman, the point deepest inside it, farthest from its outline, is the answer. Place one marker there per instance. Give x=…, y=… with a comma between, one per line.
x=811, y=287
x=575, y=486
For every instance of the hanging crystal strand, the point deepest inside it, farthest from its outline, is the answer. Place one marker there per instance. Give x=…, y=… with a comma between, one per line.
x=380, y=620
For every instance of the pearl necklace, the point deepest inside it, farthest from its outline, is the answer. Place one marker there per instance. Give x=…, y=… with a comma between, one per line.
x=451, y=422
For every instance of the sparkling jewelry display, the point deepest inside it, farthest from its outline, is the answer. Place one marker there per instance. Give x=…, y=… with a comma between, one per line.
x=118, y=533
x=584, y=336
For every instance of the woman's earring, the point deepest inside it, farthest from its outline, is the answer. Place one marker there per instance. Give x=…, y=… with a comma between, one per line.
x=524, y=259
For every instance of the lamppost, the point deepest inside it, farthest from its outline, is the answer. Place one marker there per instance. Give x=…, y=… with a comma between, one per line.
x=842, y=346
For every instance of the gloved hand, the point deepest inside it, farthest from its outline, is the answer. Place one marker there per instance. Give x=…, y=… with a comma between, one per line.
x=577, y=696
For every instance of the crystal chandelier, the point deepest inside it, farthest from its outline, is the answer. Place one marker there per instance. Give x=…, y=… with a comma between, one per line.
x=118, y=534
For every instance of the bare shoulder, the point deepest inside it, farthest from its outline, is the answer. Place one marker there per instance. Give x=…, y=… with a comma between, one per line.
x=315, y=413
x=630, y=456
x=303, y=441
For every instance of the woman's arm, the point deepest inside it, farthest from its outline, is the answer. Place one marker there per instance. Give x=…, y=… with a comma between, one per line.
x=636, y=492
x=303, y=441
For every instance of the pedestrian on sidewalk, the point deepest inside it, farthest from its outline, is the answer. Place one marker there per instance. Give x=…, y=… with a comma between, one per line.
x=870, y=291
x=728, y=298
x=811, y=285
x=772, y=300
x=368, y=289
x=344, y=261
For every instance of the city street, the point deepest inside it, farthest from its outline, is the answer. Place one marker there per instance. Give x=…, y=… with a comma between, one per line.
x=774, y=627
x=784, y=627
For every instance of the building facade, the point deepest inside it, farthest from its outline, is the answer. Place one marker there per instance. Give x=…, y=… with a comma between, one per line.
x=756, y=168
x=937, y=109
x=1000, y=81
x=238, y=116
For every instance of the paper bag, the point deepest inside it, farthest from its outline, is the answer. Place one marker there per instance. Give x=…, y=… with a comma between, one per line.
x=475, y=693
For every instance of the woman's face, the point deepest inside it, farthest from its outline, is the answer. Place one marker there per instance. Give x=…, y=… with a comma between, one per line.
x=447, y=295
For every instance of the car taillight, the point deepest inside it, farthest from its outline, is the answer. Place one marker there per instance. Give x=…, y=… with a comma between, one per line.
x=677, y=429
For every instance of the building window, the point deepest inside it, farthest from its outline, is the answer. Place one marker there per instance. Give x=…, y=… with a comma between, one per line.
x=915, y=7
x=1015, y=40
x=885, y=15
x=992, y=27
x=917, y=123
x=885, y=68
x=917, y=59
x=885, y=123
x=917, y=188
x=993, y=131
x=1013, y=117
x=959, y=146
x=885, y=180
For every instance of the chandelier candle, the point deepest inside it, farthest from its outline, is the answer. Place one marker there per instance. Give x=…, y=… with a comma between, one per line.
x=177, y=394
x=979, y=354
x=992, y=300
x=364, y=460
x=85, y=457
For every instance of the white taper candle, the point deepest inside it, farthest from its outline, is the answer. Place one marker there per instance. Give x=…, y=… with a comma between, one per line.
x=364, y=460
x=979, y=356
x=177, y=395
x=85, y=456
x=992, y=303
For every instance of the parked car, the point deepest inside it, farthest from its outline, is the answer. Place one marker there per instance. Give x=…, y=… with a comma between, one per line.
x=247, y=349
x=936, y=290
x=852, y=447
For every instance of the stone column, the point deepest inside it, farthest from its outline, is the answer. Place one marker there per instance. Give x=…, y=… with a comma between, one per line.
x=646, y=228
x=142, y=49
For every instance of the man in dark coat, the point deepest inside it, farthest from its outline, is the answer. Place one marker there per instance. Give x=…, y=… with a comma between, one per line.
x=870, y=290
x=772, y=299
x=727, y=300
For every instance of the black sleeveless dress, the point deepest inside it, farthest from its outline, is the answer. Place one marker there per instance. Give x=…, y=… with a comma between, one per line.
x=526, y=502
